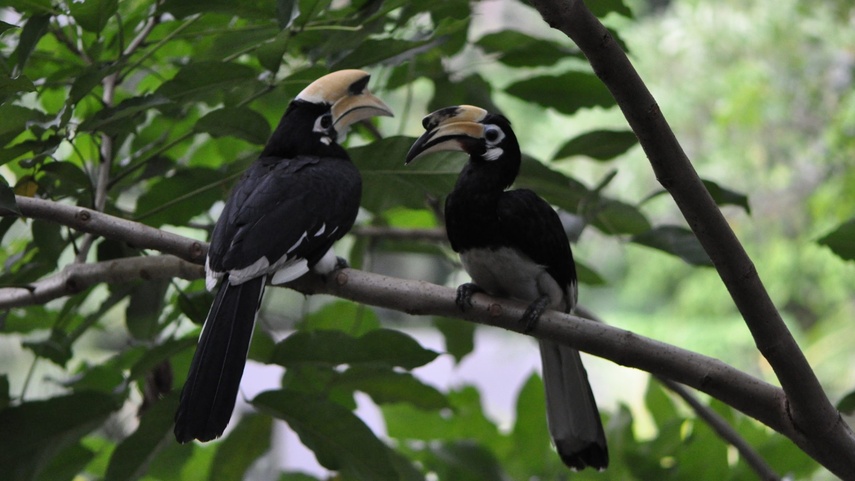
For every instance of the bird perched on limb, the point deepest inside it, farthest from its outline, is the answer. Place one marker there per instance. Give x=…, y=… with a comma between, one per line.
x=279, y=222
x=512, y=244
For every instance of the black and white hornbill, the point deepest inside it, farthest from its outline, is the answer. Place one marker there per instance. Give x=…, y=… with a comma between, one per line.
x=512, y=244
x=280, y=221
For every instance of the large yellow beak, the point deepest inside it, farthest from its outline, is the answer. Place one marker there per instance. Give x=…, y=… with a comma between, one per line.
x=346, y=91
x=448, y=129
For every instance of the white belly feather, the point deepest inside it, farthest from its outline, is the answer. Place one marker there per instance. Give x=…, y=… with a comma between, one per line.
x=505, y=272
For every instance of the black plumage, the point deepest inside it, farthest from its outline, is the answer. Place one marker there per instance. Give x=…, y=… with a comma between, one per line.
x=512, y=244
x=279, y=222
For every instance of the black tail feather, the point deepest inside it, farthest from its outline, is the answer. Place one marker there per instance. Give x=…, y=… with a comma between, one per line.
x=572, y=414
x=209, y=394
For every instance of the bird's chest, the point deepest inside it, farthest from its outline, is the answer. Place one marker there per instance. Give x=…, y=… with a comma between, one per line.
x=505, y=272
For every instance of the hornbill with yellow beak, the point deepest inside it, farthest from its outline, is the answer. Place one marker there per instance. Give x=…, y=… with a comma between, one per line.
x=280, y=221
x=512, y=244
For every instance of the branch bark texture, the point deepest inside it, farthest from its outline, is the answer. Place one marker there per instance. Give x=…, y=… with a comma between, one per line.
x=808, y=406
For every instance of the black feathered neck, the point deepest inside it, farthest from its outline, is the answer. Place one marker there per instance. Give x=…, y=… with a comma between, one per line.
x=471, y=208
x=294, y=136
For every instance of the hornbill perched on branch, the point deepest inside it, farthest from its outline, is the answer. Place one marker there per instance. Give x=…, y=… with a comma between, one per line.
x=512, y=244
x=280, y=221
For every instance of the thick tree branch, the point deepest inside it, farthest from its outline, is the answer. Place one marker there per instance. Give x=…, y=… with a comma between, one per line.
x=77, y=277
x=809, y=407
x=133, y=233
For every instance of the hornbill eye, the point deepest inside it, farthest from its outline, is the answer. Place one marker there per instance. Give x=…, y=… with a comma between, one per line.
x=493, y=134
x=325, y=121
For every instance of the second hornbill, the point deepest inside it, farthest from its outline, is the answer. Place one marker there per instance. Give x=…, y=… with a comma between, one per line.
x=280, y=221
x=512, y=244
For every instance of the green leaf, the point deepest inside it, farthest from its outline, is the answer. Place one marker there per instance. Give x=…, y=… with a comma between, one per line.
x=258, y=9
x=465, y=420
x=198, y=80
x=133, y=455
x=8, y=204
x=177, y=199
x=87, y=80
x=387, y=386
x=145, y=307
x=10, y=86
x=724, y=196
x=100, y=378
x=5, y=398
x=70, y=462
x=566, y=93
x=339, y=439
x=381, y=347
x=464, y=460
x=249, y=440
x=459, y=336
x=517, y=49
x=345, y=316
x=588, y=276
x=601, y=8
x=387, y=182
x=93, y=15
x=847, y=404
x=116, y=120
x=658, y=404
x=530, y=436
x=841, y=240
x=42, y=429
x=598, y=144
x=556, y=187
x=33, y=31
x=241, y=122
x=56, y=348
x=156, y=355
x=677, y=241
x=371, y=51
x=616, y=218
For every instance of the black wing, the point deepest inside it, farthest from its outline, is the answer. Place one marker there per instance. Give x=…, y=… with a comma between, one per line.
x=301, y=205
x=530, y=224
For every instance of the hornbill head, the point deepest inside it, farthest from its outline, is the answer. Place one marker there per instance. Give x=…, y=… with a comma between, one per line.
x=330, y=105
x=484, y=136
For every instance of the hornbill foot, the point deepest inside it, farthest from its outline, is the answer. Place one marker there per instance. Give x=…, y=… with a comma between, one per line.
x=464, y=295
x=340, y=263
x=533, y=312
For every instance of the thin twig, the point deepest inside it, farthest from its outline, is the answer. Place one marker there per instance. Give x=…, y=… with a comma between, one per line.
x=724, y=430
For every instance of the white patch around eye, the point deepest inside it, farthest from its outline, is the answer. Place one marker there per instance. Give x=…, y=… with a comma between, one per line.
x=493, y=153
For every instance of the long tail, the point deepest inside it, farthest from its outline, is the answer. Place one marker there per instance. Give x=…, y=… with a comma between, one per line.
x=571, y=411
x=208, y=397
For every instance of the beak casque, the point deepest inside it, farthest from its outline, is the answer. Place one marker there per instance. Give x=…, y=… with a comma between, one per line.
x=446, y=128
x=346, y=91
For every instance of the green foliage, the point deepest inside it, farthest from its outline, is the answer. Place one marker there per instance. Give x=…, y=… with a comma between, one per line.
x=152, y=110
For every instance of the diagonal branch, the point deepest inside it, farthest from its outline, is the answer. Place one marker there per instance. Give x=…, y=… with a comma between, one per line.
x=811, y=411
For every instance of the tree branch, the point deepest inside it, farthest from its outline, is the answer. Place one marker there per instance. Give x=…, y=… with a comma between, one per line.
x=809, y=407
x=77, y=277
x=93, y=222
